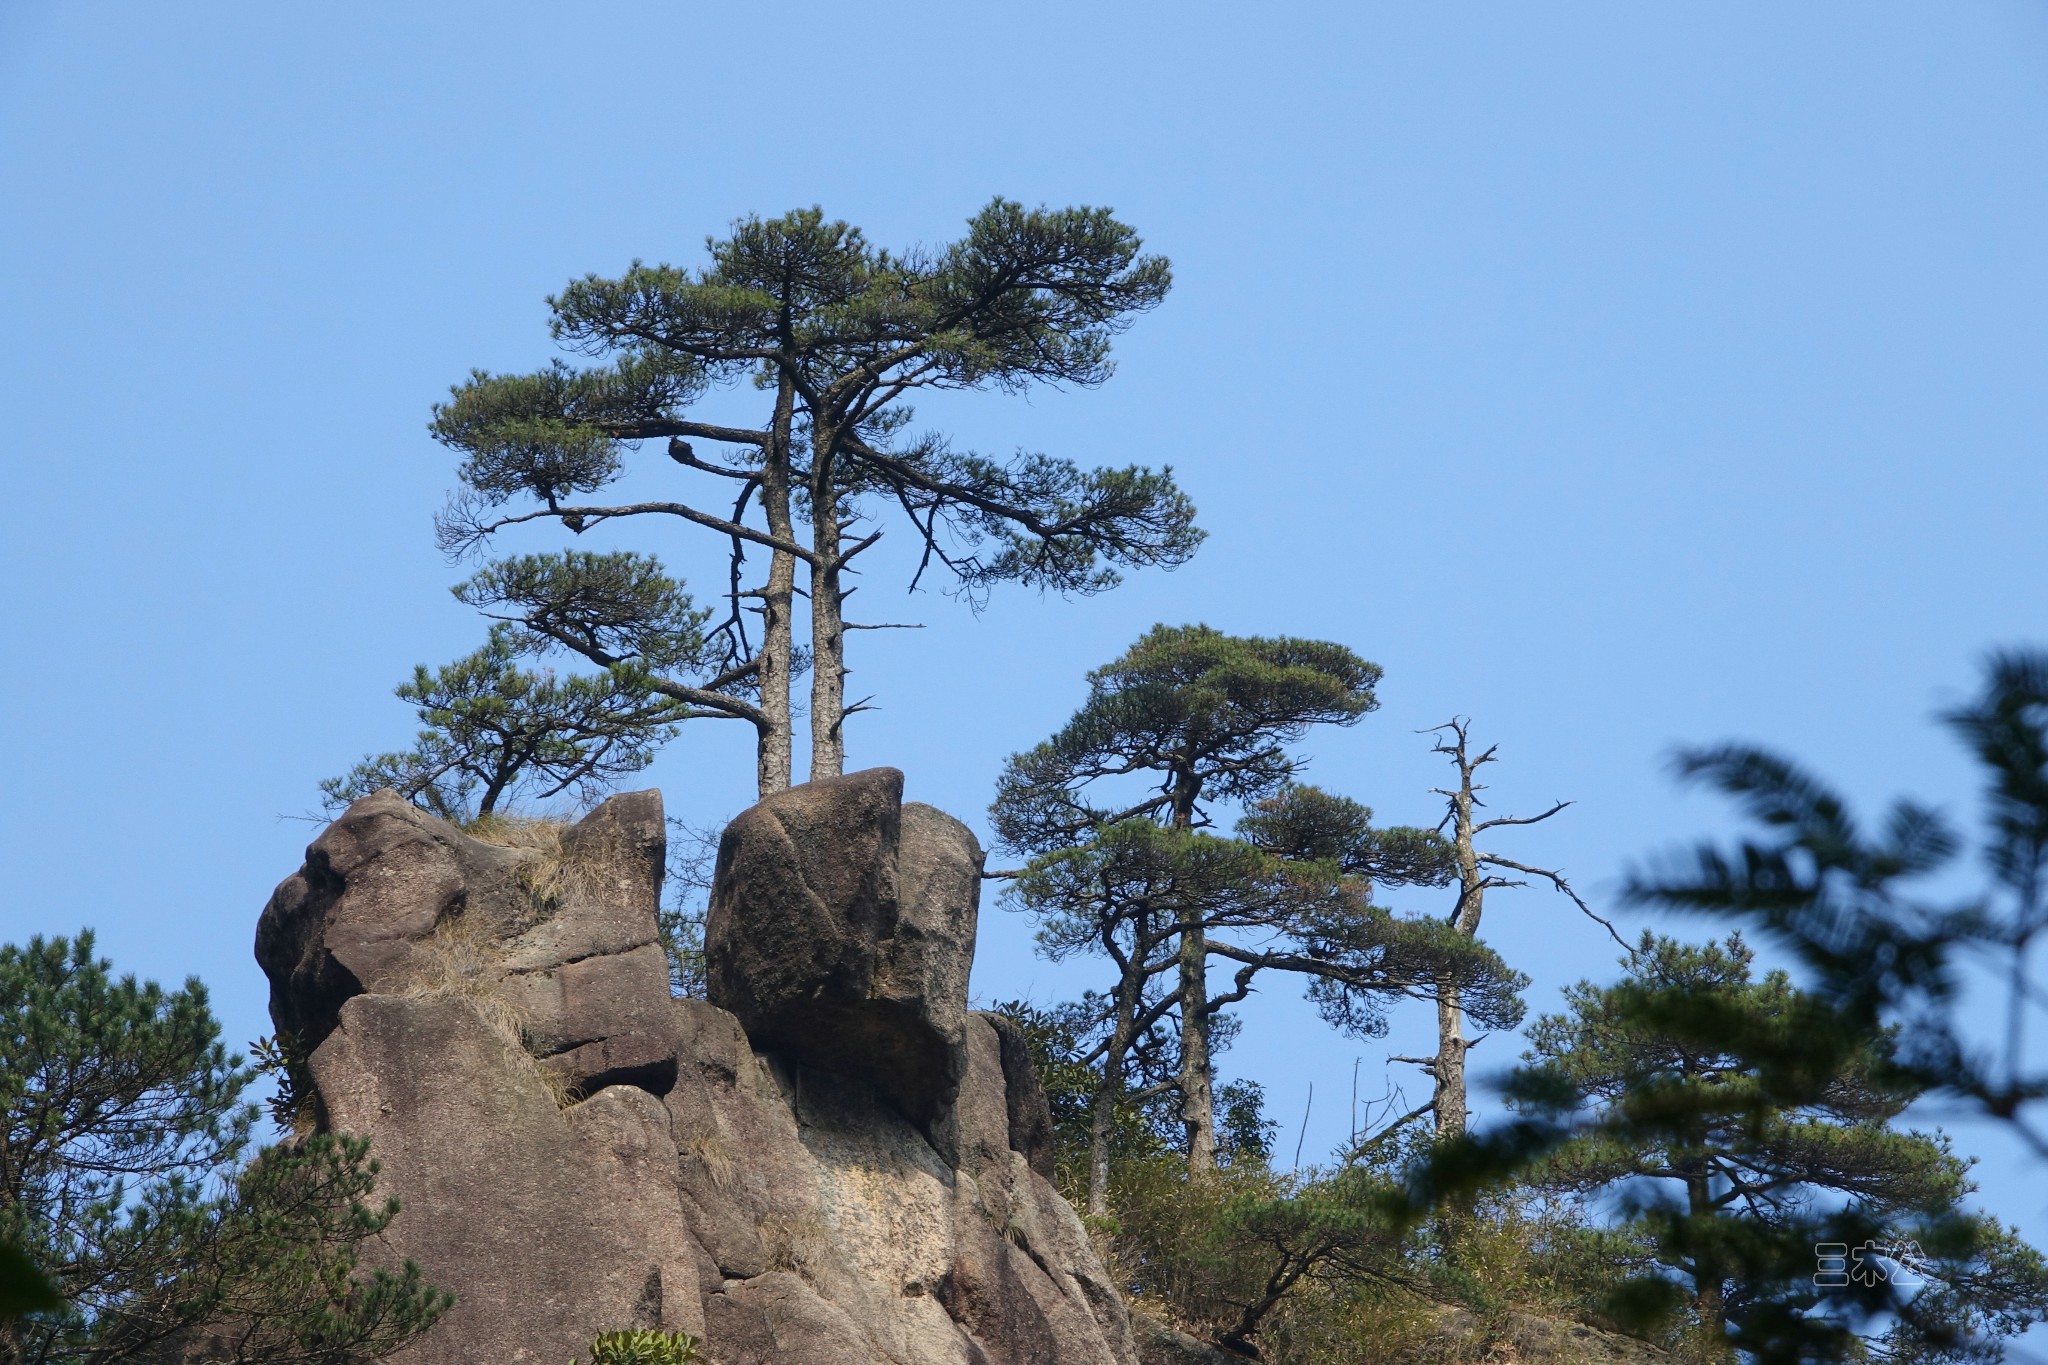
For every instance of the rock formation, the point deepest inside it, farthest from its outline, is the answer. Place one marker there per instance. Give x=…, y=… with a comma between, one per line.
x=833, y=1161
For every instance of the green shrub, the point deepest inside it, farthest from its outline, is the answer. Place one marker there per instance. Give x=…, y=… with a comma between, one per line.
x=643, y=1347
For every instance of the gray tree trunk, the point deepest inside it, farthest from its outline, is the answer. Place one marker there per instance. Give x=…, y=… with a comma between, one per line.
x=1450, y=1066
x=1197, y=1068
x=774, y=760
x=1197, y=1076
x=828, y=607
x=1102, y=1115
x=828, y=621
x=1449, y=1071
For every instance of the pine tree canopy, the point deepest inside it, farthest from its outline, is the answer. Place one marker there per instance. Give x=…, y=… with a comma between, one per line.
x=1307, y=824
x=1205, y=716
x=549, y=434
x=840, y=333
x=618, y=608
x=1029, y=296
x=494, y=731
x=105, y=1084
x=1680, y=1035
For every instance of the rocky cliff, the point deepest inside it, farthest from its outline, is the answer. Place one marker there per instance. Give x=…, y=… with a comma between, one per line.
x=831, y=1161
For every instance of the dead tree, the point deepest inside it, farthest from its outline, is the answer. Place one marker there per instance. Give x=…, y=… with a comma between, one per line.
x=1478, y=871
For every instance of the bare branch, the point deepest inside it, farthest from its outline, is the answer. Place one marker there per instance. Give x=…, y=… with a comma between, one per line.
x=679, y=450
x=858, y=546
x=1361, y=1148
x=1519, y=819
x=737, y=673
x=1557, y=880
x=592, y=515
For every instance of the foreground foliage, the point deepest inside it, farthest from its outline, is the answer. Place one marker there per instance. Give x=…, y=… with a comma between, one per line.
x=1317, y=1267
x=1865, y=910
x=1735, y=1142
x=1312, y=1266
x=127, y=1184
x=1417, y=1249
x=1787, y=1092
x=644, y=1347
x=23, y=1288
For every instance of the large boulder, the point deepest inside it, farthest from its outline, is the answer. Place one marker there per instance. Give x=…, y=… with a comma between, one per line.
x=576, y=1152
x=841, y=931
x=551, y=932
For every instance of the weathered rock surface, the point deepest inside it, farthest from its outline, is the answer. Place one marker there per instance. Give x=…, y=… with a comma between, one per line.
x=841, y=931
x=842, y=1165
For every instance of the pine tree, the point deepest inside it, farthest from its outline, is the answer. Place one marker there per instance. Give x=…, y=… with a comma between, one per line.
x=1736, y=1140
x=494, y=733
x=836, y=334
x=124, y=1181
x=1114, y=814
x=1478, y=871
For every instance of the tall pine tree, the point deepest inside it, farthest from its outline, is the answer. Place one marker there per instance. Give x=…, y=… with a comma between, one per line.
x=836, y=334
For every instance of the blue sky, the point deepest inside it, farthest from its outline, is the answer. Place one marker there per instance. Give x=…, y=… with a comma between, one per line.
x=1617, y=375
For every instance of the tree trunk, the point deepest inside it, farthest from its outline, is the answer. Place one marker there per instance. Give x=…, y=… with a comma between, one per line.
x=1710, y=1302
x=828, y=669
x=774, y=758
x=1450, y=1098
x=487, y=804
x=1102, y=1117
x=778, y=648
x=1450, y=1065
x=1197, y=1077
x=1101, y=1125
x=1711, y=1305
x=1197, y=1072
x=828, y=622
